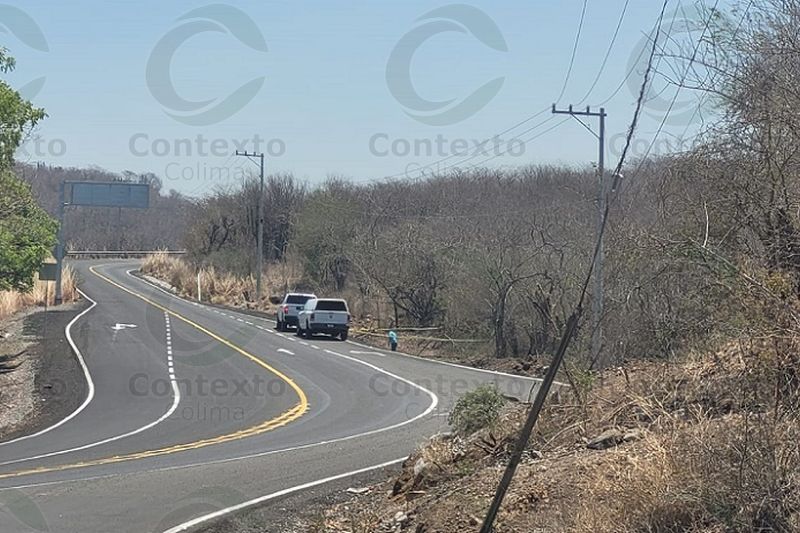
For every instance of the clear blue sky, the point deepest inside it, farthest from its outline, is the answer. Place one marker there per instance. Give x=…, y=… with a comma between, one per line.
x=325, y=101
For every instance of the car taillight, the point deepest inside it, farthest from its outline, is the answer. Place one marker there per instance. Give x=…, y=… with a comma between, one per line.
x=285, y=308
x=312, y=316
x=349, y=318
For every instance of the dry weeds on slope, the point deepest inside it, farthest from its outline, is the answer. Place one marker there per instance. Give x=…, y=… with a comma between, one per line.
x=710, y=444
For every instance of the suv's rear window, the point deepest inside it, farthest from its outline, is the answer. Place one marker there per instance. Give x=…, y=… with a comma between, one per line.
x=331, y=305
x=297, y=299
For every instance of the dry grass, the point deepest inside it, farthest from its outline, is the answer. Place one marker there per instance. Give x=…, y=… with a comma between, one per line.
x=217, y=286
x=717, y=450
x=13, y=301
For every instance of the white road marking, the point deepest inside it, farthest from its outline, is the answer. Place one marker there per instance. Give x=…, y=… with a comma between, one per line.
x=284, y=450
x=283, y=350
x=429, y=410
x=86, y=374
x=284, y=492
x=456, y=365
x=356, y=352
x=118, y=326
x=304, y=343
x=176, y=400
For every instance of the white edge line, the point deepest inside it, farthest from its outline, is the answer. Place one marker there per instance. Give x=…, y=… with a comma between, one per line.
x=250, y=503
x=431, y=408
x=373, y=348
x=176, y=395
x=456, y=365
x=87, y=376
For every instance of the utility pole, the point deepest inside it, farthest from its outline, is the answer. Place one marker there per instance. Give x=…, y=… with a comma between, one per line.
x=597, y=299
x=60, y=244
x=260, y=237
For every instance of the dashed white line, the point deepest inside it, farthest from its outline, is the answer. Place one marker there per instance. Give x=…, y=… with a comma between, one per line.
x=284, y=350
x=176, y=394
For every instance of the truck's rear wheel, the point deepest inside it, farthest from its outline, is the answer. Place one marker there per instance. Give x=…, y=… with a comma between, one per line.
x=343, y=335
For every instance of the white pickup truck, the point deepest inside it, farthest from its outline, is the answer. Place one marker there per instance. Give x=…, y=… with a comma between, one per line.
x=289, y=308
x=324, y=315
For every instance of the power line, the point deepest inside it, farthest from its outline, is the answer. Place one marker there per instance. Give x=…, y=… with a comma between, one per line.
x=635, y=64
x=569, y=331
x=712, y=76
x=473, y=156
x=574, y=51
x=608, y=53
x=680, y=87
x=421, y=170
x=639, y=101
x=526, y=141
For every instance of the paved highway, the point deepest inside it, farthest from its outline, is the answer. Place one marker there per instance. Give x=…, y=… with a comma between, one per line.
x=192, y=407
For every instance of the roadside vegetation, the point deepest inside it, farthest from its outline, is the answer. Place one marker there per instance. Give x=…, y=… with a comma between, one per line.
x=27, y=232
x=688, y=419
x=41, y=294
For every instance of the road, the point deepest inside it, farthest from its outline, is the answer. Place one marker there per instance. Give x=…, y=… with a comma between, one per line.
x=194, y=408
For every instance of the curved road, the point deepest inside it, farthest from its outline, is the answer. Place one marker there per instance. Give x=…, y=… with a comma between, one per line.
x=195, y=407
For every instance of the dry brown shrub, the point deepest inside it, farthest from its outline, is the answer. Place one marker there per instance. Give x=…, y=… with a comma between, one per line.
x=14, y=301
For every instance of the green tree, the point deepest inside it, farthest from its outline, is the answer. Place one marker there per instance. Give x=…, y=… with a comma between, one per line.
x=27, y=233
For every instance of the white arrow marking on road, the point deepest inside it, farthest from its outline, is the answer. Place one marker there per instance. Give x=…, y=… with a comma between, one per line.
x=118, y=326
x=354, y=352
x=282, y=350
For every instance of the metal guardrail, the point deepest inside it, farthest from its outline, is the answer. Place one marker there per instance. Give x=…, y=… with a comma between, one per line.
x=121, y=253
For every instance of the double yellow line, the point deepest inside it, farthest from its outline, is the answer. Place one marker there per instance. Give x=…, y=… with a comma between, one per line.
x=284, y=418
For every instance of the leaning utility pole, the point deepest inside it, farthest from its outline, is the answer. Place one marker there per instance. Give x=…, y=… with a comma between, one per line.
x=597, y=300
x=260, y=238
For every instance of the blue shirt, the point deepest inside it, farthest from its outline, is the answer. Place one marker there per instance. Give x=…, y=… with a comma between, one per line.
x=392, y=337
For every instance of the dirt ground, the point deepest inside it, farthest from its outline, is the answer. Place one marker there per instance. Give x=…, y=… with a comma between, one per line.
x=41, y=381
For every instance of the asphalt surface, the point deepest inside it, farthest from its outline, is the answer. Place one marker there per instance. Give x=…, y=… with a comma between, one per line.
x=196, y=408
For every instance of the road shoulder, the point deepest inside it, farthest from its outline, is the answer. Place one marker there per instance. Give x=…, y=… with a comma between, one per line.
x=41, y=381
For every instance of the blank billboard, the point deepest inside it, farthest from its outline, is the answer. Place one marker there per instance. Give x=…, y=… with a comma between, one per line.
x=110, y=194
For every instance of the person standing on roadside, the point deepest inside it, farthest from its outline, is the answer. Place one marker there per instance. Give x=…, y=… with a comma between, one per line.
x=393, y=340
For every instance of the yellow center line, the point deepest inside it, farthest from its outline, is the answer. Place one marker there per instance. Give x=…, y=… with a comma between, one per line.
x=286, y=417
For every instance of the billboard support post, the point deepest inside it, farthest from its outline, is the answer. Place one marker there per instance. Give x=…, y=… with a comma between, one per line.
x=117, y=194
x=60, y=244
